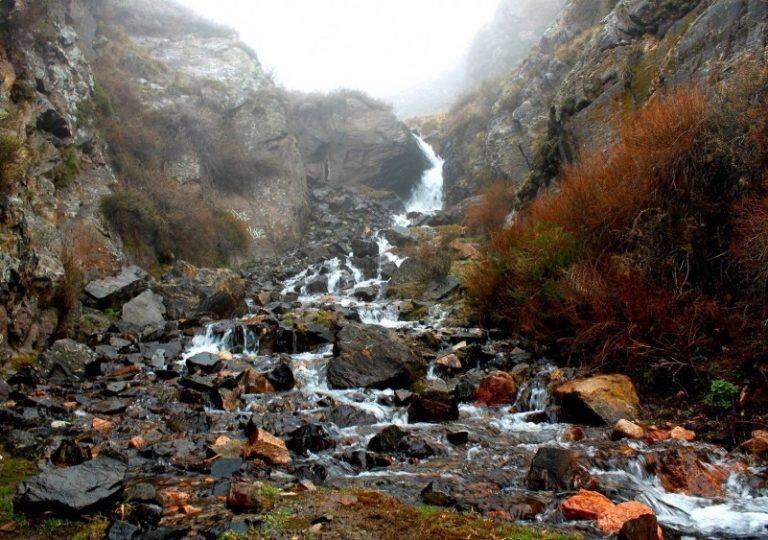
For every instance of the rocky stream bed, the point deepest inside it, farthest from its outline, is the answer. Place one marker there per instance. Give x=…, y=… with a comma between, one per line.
x=220, y=404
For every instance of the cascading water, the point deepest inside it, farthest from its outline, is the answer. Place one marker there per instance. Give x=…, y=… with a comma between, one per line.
x=501, y=440
x=427, y=197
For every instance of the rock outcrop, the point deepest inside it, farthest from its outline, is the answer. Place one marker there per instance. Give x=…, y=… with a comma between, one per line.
x=598, y=60
x=349, y=138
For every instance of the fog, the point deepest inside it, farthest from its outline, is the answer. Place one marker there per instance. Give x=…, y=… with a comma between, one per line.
x=384, y=47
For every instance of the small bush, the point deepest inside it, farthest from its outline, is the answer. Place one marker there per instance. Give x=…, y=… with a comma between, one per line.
x=67, y=171
x=490, y=212
x=721, y=396
x=628, y=263
x=10, y=161
x=69, y=291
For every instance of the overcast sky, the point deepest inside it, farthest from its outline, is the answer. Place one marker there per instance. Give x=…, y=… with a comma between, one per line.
x=380, y=46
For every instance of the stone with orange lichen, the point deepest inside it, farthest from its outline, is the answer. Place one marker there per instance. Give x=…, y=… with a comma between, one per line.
x=586, y=505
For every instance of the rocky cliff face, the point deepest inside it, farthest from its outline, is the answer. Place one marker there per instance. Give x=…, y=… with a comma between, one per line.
x=53, y=172
x=506, y=41
x=230, y=125
x=175, y=122
x=601, y=58
x=348, y=138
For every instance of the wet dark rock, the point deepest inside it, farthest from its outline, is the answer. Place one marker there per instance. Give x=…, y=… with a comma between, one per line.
x=70, y=453
x=556, y=469
x=365, y=247
x=399, y=236
x=281, y=378
x=310, y=438
x=91, y=486
x=385, y=441
x=228, y=301
x=115, y=291
x=414, y=447
x=367, y=356
x=465, y=389
x=66, y=357
x=458, y=438
x=5, y=390
x=433, y=406
x=348, y=416
x=364, y=460
x=122, y=530
x=366, y=294
x=318, y=285
x=225, y=467
x=438, y=493
x=109, y=407
x=204, y=362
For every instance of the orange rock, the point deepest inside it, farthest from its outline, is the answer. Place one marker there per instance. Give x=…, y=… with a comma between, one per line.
x=189, y=510
x=498, y=388
x=758, y=444
x=254, y=382
x=586, y=505
x=449, y=361
x=624, y=429
x=682, y=434
x=681, y=470
x=611, y=521
x=176, y=497
x=263, y=445
x=572, y=434
x=607, y=398
x=102, y=425
x=137, y=443
x=655, y=435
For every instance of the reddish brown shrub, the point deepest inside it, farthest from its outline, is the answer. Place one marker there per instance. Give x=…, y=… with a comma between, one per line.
x=490, y=212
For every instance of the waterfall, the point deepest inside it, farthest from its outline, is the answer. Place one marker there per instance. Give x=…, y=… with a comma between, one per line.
x=427, y=197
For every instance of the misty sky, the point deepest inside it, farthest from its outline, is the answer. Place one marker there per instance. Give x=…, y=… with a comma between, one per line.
x=380, y=46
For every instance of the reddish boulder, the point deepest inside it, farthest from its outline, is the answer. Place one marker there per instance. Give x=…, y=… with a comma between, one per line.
x=600, y=400
x=758, y=444
x=682, y=434
x=498, y=388
x=265, y=446
x=612, y=521
x=681, y=470
x=586, y=505
x=624, y=429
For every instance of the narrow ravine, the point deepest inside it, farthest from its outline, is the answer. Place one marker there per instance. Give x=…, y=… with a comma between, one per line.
x=483, y=455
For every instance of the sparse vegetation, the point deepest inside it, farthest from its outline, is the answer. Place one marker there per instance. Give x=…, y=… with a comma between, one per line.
x=625, y=263
x=69, y=168
x=10, y=161
x=158, y=219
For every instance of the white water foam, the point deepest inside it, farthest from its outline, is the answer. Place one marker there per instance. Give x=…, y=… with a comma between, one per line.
x=427, y=198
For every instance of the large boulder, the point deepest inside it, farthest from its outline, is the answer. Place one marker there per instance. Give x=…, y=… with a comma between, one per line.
x=348, y=138
x=683, y=470
x=89, y=487
x=147, y=309
x=613, y=520
x=498, y=388
x=116, y=290
x=367, y=356
x=586, y=505
x=599, y=400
